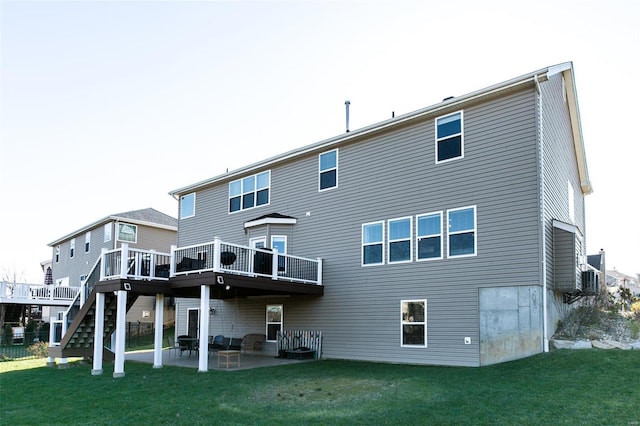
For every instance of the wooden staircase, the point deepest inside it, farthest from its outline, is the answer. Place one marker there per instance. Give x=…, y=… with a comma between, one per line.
x=79, y=338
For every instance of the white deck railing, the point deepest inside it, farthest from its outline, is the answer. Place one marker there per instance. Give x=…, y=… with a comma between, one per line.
x=36, y=294
x=218, y=256
x=126, y=262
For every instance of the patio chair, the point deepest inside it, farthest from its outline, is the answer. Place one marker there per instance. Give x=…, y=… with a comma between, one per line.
x=172, y=346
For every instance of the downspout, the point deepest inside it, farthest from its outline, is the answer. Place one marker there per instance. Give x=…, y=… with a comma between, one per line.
x=543, y=238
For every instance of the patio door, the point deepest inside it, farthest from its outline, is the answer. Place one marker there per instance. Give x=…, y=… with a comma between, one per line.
x=193, y=321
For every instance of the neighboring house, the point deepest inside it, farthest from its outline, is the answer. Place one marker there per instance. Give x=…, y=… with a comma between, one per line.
x=449, y=235
x=617, y=280
x=75, y=254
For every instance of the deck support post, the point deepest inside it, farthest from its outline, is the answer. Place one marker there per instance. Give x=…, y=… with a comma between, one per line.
x=203, y=344
x=121, y=315
x=98, y=333
x=157, y=342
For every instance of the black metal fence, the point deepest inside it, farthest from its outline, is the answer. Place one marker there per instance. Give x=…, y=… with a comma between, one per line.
x=27, y=345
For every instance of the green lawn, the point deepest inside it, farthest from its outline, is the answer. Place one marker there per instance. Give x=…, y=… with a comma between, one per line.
x=563, y=387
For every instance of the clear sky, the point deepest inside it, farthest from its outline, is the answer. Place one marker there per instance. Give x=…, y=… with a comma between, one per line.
x=107, y=106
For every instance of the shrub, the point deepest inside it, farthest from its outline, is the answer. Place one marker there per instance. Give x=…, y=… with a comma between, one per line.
x=39, y=349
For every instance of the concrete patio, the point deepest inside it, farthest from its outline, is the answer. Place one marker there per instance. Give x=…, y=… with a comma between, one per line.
x=247, y=360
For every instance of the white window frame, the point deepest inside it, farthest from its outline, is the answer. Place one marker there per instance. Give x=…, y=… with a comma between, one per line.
x=135, y=227
x=255, y=191
x=87, y=242
x=267, y=322
x=193, y=206
x=330, y=169
x=396, y=240
x=281, y=260
x=405, y=321
x=439, y=139
x=474, y=229
x=108, y=231
x=57, y=254
x=83, y=278
x=365, y=244
x=420, y=237
x=72, y=248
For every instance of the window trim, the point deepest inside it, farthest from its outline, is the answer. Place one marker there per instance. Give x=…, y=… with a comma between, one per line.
x=135, y=233
x=267, y=322
x=461, y=134
x=475, y=232
x=282, y=260
x=419, y=237
x=571, y=202
x=254, y=192
x=57, y=254
x=72, y=248
x=321, y=171
x=193, y=212
x=108, y=232
x=403, y=323
x=410, y=239
x=363, y=244
x=87, y=242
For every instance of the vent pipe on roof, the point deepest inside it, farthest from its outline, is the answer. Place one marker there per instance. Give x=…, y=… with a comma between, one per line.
x=346, y=104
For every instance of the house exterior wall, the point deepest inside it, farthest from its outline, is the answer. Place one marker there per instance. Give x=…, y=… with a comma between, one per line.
x=388, y=175
x=559, y=170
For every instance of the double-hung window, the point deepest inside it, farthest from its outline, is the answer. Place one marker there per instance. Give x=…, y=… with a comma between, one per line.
x=57, y=255
x=188, y=205
x=328, y=170
x=274, y=322
x=107, y=232
x=72, y=247
x=400, y=240
x=449, y=137
x=462, y=231
x=87, y=242
x=372, y=243
x=429, y=236
x=249, y=192
x=414, y=323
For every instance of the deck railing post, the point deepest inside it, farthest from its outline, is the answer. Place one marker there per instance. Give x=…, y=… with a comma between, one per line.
x=103, y=264
x=172, y=261
x=216, y=254
x=124, y=260
x=152, y=264
x=319, y=278
x=274, y=264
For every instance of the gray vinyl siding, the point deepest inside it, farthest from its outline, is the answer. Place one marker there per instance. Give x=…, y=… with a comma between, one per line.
x=391, y=175
x=560, y=167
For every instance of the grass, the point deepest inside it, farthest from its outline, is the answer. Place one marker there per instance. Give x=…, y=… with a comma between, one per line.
x=562, y=387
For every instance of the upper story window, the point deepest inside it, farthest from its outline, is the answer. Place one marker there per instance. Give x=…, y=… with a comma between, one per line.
x=249, y=192
x=328, y=170
x=429, y=236
x=87, y=242
x=462, y=231
x=188, y=205
x=449, y=137
x=57, y=255
x=372, y=242
x=107, y=232
x=414, y=323
x=127, y=232
x=72, y=247
x=400, y=240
